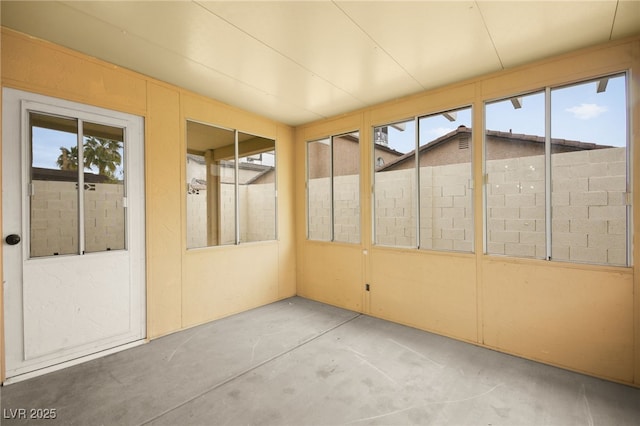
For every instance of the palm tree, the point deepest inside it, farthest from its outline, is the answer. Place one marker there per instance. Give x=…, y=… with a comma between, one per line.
x=68, y=159
x=104, y=154
x=99, y=152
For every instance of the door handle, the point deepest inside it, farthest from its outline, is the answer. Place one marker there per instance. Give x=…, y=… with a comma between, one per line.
x=12, y=239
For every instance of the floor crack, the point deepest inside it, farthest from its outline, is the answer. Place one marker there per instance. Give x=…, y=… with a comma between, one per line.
x=252, y=368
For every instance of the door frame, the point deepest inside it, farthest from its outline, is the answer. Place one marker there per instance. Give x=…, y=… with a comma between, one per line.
x=15, y=104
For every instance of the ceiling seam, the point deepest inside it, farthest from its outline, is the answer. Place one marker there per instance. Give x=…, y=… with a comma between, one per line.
x=486, y=27
x=613, y=21
x=314, y=74
x=378, y=44
x=244, y=83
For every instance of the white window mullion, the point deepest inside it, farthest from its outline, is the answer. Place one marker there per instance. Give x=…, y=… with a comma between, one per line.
x=332, y=214
x=81, y=242
x=547, y=170
x=417, y=169
x=629, y=194
x=237, y=186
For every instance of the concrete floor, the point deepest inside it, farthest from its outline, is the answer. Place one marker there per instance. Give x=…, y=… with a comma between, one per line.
x=298, y=362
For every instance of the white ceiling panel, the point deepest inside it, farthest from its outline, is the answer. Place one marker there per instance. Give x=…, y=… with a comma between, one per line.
x=627, y=20
x=189, y=31
x=117, y=44
x=523, y=31
x=297, y=62
x=436, y=42
x=323, y=40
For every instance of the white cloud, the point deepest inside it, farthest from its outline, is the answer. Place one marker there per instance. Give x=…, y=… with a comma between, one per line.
x=586, y=111
x=440, y=131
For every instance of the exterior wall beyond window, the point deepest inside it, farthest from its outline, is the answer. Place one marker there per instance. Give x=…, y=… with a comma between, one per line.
x=333, y=189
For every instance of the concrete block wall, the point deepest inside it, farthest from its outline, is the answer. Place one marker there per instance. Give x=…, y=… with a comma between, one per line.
x=54, y=218
x=197, y=219
x=346, y=204
x=257, y=214
x=319, y=209
x=588, y=206
x=589, y=215
x=395, y=208
x=445, y=208
x=227, y=214
x=446, y=213
x=516, y=206
x=589, y=212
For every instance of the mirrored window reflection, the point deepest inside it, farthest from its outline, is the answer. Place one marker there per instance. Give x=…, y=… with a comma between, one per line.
x=446, y=214
x=515, y=169
x=589, y=172
x=257, y=188
x=346, y=188
x=319, y=196
x=210, y=185
x=104, y=184
x=229, y=201
x=54, y=186
x=395, y=184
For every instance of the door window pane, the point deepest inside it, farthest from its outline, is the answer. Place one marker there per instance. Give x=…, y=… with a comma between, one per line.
x=104, y=183
x=346, y=188
x=515, y=170
x=589, y=172
x=319, y=196
x=257, y=188
x=395, y=185
x=446, y=213
x=54, y=183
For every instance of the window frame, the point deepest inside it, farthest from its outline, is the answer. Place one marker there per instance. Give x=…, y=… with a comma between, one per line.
x=332, y=216
x=236, y=198
x=416, y=193
x=548, y=154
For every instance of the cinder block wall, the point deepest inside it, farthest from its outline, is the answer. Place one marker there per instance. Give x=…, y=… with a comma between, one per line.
x=589, y=214
x=54, y=218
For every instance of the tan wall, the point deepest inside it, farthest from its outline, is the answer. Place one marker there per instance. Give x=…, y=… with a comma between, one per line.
x=183, y=288
x=581, y=317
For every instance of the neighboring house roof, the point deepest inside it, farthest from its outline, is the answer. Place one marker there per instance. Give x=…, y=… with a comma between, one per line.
x=463, y=130
x=260, y=170
x=386, y=148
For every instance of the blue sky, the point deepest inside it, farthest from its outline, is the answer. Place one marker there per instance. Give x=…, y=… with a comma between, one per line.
x=578, y=112
x=47, y=144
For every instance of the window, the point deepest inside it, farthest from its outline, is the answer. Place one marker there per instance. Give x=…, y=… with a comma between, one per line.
x=231, y=187
x=423, y=197
x=256, y=188
x=589, y=172
x=446, y=200
x=557, y=186
x=514, y=145
x=333, y=188
x=78, y=206
x=395, y=199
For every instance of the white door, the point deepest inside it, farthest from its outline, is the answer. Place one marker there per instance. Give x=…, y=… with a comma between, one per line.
x=73, y=237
